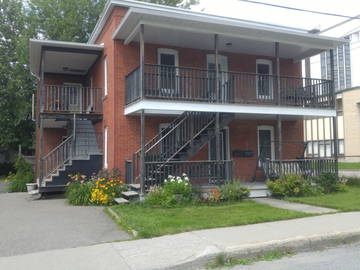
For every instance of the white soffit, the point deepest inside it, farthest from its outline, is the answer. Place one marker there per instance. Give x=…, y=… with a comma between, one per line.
x=197, y=31
x=63, y=57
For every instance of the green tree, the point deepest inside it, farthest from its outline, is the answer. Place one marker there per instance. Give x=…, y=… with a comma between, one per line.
x=174, y=3
x=16, y=82
x=65, y=20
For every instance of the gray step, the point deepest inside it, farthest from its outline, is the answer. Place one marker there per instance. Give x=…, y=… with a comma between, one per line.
x=121, y=201
x=134, y=187
x=131, y=195
x=259, y=193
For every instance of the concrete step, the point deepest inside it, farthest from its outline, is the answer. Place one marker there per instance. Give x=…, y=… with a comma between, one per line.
x=259, y=193
x=130, y=195
x=121, y=200
x=134, y=187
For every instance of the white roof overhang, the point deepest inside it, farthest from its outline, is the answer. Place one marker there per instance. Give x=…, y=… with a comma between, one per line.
x=63, y=57
x=183, y=28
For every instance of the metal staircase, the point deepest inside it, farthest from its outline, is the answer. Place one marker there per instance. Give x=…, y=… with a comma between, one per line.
x=174, y=146
x=78, y=153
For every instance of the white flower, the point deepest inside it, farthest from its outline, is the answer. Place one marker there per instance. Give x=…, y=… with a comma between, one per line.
x=186, y=178
x=165, y=180
x=186, y=184
x=170, y=176
x=178, y=178
x=172, y=180
x=179, y=181
x=184, y=174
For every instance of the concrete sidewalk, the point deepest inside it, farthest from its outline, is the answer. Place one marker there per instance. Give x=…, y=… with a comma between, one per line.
x=194, y=249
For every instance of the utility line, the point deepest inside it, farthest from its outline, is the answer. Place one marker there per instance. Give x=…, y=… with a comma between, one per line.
x=302, y=10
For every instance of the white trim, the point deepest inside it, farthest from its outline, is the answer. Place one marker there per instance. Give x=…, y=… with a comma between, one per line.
x=172, y=107
x=106, y=76
x=168, y=51
x=269, y=63
x=271, y=129
x=106, y=140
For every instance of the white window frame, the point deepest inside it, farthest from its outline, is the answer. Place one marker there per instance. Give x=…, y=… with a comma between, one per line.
x=272, y=136
x=268, y=63
x=105, y=76
x=168, y=51
x=106, y=140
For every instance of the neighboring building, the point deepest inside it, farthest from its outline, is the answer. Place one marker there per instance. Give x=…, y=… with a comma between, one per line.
x=347, y=87
x=200, y=91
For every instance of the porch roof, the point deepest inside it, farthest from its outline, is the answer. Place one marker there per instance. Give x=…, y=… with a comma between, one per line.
x=63, y=57
x=184, y=28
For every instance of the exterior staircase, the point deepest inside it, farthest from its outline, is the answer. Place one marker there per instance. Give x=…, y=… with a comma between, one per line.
x=79, y=153
x=179, y=142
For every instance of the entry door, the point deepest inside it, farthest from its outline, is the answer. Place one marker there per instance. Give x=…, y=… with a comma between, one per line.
x=73, y=96
x=168, y=79
x=266, y=142
x=224, y=146
x=264, y=81
x=223, y=74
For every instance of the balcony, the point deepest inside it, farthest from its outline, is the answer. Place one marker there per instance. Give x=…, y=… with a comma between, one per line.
x=169, y=83
x=71, y=99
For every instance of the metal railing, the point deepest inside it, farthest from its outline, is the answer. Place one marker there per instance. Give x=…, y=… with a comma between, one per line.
x=57, y=157
x=199, y=85
x=212, y=172
x=172, y=140
x=72, y=99
x=306, y=167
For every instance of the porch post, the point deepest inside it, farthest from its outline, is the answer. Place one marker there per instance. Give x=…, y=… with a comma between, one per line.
x=335, y=129
x=142, y=61
x=41, y=124
x=278, y=118
x=142, y=153
x=217, y=83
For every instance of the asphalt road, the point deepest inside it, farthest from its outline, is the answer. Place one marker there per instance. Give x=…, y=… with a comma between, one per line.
x=28, y=226
x=339, y=258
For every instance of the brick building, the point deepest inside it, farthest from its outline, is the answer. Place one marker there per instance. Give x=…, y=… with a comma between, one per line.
x=160, y=90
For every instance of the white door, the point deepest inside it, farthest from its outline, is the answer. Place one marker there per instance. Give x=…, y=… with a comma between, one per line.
x=264, y=80
x=73, y=97
x=168, y=81
x=223, y=74
x=224, y=145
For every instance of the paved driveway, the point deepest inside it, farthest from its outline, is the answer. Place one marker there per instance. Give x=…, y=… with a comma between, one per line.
x=28, y=226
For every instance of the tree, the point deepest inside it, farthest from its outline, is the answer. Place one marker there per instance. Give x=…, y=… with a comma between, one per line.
x=65, y=20
x=174, y=3
x=16, y=82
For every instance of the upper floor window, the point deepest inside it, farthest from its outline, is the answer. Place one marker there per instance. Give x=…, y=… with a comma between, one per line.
x=105, y=76
x=264, y=84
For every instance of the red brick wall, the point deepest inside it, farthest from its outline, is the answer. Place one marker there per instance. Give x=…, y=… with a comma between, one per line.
x=52, y=138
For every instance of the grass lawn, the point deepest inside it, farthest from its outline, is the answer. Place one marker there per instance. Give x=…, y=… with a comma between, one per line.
x=349, y=165
x=151, y=222
x=344, y=201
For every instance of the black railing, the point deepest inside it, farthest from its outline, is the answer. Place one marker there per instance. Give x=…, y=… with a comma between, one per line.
x=199, y=85
x=306, y=167
x=208, y=171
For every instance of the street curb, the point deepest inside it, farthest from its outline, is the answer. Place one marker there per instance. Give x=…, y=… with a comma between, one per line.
x=294, y=245
x=117, y=219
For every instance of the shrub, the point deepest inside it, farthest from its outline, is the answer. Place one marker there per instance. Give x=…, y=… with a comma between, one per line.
x=233, y=191
x=24, y=174
x=109, y=174
x=158, y=197
x=214, y=195
x=6, y=168
x=82, y=190
x=329, y=182
x=176, y=190
x=291, y=185
x=79, y=193
x=106, y=190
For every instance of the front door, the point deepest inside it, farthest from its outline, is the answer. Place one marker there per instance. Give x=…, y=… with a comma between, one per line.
x=224, y=146
x=168, y=79
x=223, y=76
x=264, y=81
x=266, y=142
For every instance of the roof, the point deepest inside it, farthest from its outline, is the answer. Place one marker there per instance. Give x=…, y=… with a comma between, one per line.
x=80, y=55
x=160, y=15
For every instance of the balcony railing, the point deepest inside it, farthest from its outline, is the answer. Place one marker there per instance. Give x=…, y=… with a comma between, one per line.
x=71, y=99
x=199, y=85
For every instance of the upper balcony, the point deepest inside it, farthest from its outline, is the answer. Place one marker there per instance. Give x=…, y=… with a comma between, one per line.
x=71, y=99
x=170, y=83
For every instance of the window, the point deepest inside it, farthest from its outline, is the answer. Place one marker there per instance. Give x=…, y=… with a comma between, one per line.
x=105, y=147
x=168, y=60
x=266, y=146
x=264, y=87
x=105, y=76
